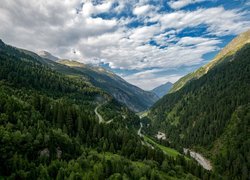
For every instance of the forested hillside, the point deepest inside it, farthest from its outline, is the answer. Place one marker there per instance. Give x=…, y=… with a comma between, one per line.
x=133, y=97
x=236, y=44
x=211, y=115
x=49, y=129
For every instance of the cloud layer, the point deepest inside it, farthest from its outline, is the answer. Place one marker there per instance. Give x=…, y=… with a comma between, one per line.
x=141, y=35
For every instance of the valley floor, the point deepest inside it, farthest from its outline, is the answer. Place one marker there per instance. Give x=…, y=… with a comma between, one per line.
x=205, y=163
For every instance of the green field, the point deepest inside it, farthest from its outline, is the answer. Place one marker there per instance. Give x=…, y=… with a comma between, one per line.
x=167, y=150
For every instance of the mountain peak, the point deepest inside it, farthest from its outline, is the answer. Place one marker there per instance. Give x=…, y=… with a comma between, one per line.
x=47, y=55
x=163, y=89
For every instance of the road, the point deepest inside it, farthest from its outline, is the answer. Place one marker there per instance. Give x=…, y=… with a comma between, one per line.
x=100, y=118
x=141, y=135
x=139, y=130
x=98, y=115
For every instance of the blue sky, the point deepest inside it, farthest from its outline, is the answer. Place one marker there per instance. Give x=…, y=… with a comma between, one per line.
x=147, y=42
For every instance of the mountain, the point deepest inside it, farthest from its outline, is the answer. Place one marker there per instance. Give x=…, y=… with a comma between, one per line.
x=133, y=97
x=163, y=89
x=59, y=126
x=211, y=114
x=230, y=49
x=47, y=55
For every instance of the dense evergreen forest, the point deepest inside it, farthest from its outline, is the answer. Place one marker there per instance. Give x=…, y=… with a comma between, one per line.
x=49, y=130
x=211, y=114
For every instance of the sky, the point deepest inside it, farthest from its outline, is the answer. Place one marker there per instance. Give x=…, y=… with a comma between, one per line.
x=146, y=42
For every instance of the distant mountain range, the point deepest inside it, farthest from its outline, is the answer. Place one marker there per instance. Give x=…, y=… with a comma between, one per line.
x=163, y=89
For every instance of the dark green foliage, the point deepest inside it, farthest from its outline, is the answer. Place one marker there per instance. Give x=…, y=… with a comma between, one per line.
x=197, y=115
x=48, y=129
x=234, y=146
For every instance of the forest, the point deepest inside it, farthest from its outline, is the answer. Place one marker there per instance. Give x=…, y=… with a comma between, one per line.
x=49, y=130
x=211, y=115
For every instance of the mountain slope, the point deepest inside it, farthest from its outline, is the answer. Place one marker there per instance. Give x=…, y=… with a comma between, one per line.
x=206, y=113
x=230, y=49
x=49, y=130
x=133, y=97
x=163, y=89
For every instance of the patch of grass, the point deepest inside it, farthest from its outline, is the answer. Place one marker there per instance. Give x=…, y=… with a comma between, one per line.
x=167, y=150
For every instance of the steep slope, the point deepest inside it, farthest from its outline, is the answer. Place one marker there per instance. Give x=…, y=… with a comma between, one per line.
x=208, y=113
x=163, y=89
x=133, y=97
x=49, y=130
x=230, y=49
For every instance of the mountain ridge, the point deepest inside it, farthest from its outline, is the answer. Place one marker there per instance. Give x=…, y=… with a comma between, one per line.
x=130, y=95
x=163, y=89
x=238, y=42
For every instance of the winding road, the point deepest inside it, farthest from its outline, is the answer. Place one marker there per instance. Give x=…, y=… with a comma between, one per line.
x=100, y=118
x=139, y=131
x=98, y=115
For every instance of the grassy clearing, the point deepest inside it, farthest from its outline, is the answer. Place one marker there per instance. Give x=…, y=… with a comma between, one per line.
x=167, y=150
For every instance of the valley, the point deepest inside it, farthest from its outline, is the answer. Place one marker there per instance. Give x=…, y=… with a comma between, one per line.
x=63, y=119
x=43, y=108
x=205, y=163
x=210, y=113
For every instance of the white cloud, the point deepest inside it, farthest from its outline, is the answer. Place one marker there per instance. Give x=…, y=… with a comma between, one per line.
x=150, y=79
x=141, y=10
x=178, y=4
x=54, y=25
x=219, y=21
x=197, y=41
x=70, y=29
x=89, y=9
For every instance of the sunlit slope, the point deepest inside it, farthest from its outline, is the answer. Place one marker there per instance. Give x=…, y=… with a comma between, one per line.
x=230, y=49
